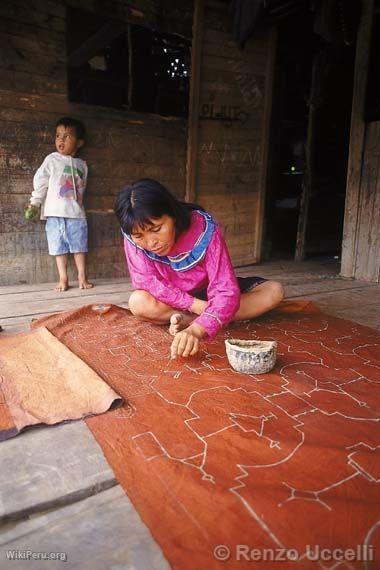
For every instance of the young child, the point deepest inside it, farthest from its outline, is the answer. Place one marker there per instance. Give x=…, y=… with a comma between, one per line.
x=59, y=185
x=181, y=270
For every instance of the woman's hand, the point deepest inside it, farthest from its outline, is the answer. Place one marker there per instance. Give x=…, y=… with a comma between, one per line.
x=186, y=342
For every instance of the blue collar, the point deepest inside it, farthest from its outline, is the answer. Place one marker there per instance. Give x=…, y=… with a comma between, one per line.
x=188, y=259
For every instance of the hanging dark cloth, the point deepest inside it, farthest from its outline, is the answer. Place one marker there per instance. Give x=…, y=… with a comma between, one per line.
x=245, y=14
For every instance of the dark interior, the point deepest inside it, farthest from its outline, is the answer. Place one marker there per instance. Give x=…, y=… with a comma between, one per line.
x=301, y=39
x=115, y=64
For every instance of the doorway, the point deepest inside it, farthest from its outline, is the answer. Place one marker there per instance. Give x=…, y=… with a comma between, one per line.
x=310, y=132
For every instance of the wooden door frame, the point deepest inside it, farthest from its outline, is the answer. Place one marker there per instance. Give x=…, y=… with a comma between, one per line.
x=357, y=141
x=265, y=144
x=195, y=81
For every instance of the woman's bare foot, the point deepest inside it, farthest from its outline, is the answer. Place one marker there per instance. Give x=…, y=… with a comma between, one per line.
x=84, y=284
x=178, y=322
x=63, y=285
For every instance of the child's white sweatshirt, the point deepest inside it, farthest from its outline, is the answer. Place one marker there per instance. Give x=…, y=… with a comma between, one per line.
x=59, y=185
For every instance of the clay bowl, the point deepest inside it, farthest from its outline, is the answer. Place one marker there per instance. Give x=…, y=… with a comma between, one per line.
x=251, y=356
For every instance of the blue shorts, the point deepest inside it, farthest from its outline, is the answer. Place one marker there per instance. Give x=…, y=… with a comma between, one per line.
x=246, y=284
x=66, y=235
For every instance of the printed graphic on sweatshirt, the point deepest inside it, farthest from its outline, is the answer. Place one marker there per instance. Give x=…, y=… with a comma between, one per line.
x=71, y=184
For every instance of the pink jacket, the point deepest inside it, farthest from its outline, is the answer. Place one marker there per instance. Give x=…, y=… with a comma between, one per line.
x=210, y=267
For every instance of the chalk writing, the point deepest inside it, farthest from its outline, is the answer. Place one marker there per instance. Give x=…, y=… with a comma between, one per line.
x=226, y=153
x=223, y=112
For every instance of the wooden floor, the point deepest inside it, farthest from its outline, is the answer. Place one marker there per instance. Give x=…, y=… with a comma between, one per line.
x=57, y=492
x=317, y=280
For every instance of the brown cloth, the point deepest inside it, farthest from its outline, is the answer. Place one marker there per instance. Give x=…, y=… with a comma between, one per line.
x=43, y=382
x=208, y=456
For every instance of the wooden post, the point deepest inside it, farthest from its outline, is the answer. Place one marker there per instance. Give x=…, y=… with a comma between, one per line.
x=357, y=136
x=130, y=67
x=268, y=104
x=193, y=134
x=307, y=183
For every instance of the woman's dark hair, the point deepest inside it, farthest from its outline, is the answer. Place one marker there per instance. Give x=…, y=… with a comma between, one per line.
x=140, y=202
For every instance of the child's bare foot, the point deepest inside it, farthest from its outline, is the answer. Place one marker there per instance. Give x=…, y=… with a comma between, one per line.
x=84, y=284
x=63, y=285
x=178, y=322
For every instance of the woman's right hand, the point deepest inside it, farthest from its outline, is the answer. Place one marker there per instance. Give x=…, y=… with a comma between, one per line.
x=186, y=342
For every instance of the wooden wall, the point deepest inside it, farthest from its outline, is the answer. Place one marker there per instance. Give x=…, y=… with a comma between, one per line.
x=121, y=145
x=234, y=108
x=361, y=235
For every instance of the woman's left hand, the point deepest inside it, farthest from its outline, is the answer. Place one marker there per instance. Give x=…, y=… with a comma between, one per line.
x=186, y=342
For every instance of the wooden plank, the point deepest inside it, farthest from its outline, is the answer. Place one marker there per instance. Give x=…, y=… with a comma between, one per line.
x=231, y=174
x=259, y=213
x=257, y=62
x=46, y=15
x=213, y=37
x=28, y=269
x=357, y=134
x=28, y=30
x=194, y=98
x=308, y=178
x=40, y=287
x=25, y=131
x=348, y=292
x=38, y=307
x=367, y=262
x=34, y=44
x=60, y=464
x=242, y=209
x=22, y=158
x=231, y=132
x=37, y=288
x=102, y=531
x=246, y=155
x=222, y=190
x=222, y=45
x=31, y=294
x=350, y=298
x=288, y=270
x=20, y=81
x=59, y=104
x=228, y=76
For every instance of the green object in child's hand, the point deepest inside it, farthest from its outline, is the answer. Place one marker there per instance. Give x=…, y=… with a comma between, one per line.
x=31, y=213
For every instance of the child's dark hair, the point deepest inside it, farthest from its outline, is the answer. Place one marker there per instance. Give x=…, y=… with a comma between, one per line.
x=79, y=127
x=137, y=204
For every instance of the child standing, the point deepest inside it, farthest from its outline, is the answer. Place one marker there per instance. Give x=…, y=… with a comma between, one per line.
x=59, y=185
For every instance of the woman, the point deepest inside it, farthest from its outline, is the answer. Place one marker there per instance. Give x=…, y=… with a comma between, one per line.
x=181, y=270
